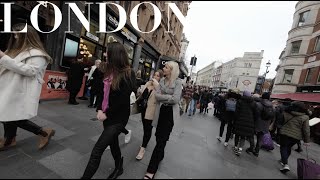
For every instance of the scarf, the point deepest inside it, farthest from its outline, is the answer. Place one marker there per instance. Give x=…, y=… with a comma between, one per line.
x=107, y=85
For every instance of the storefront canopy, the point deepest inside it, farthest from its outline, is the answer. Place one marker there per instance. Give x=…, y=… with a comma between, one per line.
x=305, y=97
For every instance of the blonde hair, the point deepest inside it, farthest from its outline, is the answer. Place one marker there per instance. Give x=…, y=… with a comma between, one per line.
x=25, y=42
x=174, y=70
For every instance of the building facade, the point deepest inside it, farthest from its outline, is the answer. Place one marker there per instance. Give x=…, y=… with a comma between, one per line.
x=184, y=47
x=298, y=61
x=242, y=72
x=204, y=76
x=216, y=77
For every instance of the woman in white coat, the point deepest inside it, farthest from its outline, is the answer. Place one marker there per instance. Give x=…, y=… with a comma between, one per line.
x=22, y=68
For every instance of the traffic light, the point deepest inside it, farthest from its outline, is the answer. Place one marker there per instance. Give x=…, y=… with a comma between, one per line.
x=193, y=61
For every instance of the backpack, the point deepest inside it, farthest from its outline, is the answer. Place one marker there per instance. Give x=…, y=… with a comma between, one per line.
x=231, y=104
x=267, y=112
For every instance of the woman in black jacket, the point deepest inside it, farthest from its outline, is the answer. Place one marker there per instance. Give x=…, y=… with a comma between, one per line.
x=113, y=109
x=244, y=122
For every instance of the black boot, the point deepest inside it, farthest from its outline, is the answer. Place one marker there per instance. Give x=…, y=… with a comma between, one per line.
x=117, y=171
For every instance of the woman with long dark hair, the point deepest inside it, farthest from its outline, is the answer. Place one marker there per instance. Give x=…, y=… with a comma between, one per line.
x=22, y=68
x=113, y=108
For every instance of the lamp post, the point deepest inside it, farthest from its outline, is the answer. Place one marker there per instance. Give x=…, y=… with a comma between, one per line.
x=268, y=64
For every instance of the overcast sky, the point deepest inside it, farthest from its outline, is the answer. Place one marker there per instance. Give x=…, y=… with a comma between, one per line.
x=225, y=30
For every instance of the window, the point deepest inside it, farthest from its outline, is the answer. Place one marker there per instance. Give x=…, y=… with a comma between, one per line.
x=303, y=18
x=295, y=47
x=310, y=73
x=247, y=74
x=287, y=75
x=317, y=45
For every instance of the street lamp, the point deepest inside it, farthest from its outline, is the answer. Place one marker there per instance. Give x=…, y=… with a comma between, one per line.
x=268, y=64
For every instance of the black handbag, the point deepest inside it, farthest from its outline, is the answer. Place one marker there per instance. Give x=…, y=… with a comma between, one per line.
x=143, y=101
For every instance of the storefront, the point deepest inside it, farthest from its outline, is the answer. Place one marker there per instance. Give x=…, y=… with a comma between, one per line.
x=124, y=36
x=147, y=62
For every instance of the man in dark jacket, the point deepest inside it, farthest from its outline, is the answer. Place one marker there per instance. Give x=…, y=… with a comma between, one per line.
x=261, y=123
x=244, y=122
x=75, y=79
x=194, y=101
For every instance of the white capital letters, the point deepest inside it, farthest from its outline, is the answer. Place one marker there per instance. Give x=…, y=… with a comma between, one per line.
x=177, y=12
x=102, y=18
x=134, y=19
x=7, y=19
x=85, y=22
x=57, y=17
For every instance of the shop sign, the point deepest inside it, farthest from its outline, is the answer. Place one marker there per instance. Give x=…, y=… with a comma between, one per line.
x=129, y=35
x=246, y=82
x=91, y=36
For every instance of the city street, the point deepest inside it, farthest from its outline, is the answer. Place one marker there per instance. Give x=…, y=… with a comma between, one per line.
x=193, y=151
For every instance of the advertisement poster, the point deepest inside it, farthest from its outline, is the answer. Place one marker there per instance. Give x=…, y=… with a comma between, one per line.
x=54, y=86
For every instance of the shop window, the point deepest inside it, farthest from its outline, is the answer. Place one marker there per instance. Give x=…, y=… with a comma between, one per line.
x=288, y=73
x=317, y=46
x=295, y=47
x=130, y=51
x=303, y=18
x=310, y=73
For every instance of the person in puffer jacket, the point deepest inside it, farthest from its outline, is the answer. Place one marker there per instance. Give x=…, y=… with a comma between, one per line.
x=261, y=125
x=295, y=128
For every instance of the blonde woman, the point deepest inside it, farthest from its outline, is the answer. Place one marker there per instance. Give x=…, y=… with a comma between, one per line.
x=168, y=94
x=22, y=68
x=147, y=114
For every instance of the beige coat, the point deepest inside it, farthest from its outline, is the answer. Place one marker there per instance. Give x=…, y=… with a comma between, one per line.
x=21, y=80
x=152, y=103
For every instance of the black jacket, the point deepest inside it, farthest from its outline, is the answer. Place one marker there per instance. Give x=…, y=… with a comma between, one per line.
x=119, y=102
x=75, y=77
x=245, y=112
x=97, y=82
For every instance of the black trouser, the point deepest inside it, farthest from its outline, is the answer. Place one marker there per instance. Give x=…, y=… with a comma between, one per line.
x=227, y=119
x=147, y=130
x=164, y=128
x=215, y=112
x=93, y=95
x=108, y=137
x=242, y=140
x=258, y=144
x=286, y=143
x=72, y=97
x=10, y=128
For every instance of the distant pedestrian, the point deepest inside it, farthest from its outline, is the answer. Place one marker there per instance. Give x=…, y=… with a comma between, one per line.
x=228, y=114
x=295, y=128
x=244, y=122
x=22, y=68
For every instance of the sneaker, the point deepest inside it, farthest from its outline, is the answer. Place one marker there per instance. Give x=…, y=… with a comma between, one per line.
x=280, y=161
x=226, y=144
x=239, y=152
x=285, y=168
x=235, y=149
x=127, y=137
x=219, y=138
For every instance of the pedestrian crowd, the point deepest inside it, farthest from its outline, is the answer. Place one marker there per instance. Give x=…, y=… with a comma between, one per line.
x=112, y=84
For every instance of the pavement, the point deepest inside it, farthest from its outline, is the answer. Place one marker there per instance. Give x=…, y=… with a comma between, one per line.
x=192, y=152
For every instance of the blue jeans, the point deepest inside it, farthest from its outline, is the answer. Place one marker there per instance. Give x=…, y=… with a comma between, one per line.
x=286, y=143
x=192, y=106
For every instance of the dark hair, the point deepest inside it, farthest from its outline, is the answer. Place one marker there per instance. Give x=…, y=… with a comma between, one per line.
x=265, y=95
x=298, y=106
x=117, y=64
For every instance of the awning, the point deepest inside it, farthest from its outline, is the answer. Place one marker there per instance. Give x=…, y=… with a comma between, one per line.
x=306, y=97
